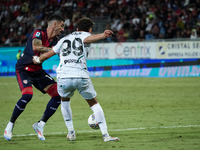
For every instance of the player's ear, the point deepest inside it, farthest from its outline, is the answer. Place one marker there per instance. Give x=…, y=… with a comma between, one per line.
x=54, y=24
x=90, y=30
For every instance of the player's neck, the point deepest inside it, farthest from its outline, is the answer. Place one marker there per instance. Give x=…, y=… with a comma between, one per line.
x=50, y=34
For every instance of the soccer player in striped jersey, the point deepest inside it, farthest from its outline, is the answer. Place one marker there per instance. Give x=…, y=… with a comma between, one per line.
x=29, y=74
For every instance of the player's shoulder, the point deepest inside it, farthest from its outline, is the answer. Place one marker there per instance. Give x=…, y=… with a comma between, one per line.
x=81, y=34
x=38, y=33
x=76, y=33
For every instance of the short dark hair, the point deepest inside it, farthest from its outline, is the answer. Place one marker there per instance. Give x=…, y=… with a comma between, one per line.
x=56, y=17
x=85, y=24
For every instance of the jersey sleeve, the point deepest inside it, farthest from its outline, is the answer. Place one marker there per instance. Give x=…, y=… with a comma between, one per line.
x=37, y=34
x=57, y=47
x=85, y=35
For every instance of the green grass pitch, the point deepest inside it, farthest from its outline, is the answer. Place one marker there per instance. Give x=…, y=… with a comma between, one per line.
x=145, y=113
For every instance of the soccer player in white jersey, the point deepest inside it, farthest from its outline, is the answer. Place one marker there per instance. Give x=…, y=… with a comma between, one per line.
x=72, y=74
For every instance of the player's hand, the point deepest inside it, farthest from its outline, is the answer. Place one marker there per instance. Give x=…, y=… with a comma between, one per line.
x=107, y=33
x=36, y=60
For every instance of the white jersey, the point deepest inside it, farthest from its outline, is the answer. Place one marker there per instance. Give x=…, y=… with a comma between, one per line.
x=73, y=53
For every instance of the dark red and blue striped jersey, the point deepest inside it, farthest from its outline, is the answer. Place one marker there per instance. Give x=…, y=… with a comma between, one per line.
x=25, y=61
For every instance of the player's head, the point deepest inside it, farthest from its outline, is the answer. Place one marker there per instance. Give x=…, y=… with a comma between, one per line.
x=56, y=22
x=85, y=24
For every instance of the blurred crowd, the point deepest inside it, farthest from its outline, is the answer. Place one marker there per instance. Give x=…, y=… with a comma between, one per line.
x=130, y=20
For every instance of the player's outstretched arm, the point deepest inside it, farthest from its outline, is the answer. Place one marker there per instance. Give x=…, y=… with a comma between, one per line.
x=37, y=46
x=43, y=57
x=97, y=37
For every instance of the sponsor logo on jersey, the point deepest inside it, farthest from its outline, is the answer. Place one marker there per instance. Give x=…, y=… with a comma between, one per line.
x=37, y=34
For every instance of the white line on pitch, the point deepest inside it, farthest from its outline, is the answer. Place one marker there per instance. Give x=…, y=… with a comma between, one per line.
x=141, y=128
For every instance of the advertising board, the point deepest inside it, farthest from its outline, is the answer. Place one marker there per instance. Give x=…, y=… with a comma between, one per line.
x=178, y=49
x=134, y=50
x=120, y=56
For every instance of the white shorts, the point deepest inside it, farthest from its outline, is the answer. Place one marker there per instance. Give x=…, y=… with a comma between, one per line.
x=67, y=86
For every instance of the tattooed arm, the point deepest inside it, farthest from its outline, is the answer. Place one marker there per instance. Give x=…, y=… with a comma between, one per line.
x=37, y=46
x=43, y=57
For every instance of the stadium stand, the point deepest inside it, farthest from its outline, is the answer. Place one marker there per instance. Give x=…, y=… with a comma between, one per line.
x=131, y=20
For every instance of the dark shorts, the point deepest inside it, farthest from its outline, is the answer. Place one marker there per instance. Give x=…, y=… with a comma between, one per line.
x=40, y=79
